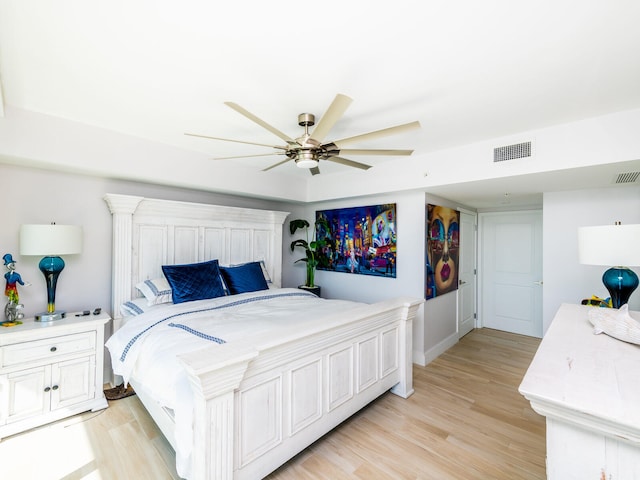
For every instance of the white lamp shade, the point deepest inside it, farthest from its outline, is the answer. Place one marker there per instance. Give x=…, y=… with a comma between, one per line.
x=611, y=245
x=50, y=240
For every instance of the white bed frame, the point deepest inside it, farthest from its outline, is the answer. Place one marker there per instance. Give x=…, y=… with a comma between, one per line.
x=254, y=410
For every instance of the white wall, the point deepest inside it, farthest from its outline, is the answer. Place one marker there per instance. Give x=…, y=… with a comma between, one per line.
x=41, y=196
x=566, y=280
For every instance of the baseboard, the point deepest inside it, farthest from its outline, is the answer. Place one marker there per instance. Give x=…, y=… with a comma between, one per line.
x=442, y=346
x=419, y=358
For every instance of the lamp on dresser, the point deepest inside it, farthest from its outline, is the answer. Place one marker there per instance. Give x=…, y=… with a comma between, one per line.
x=617, y=246
x=50, y=241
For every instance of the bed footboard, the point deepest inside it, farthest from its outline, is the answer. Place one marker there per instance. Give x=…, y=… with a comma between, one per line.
x=254, y=410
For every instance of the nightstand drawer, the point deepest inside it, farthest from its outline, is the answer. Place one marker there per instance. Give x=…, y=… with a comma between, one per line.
x=48, y=348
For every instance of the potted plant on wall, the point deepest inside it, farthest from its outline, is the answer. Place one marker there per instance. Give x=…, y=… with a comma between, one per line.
x=313, y=248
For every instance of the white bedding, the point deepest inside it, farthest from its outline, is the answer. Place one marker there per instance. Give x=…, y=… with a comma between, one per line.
x=147, y=346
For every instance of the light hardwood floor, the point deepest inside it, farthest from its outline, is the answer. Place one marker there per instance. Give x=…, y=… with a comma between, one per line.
x=465, y=421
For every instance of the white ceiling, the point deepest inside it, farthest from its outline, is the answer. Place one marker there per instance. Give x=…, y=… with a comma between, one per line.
x=467, y=70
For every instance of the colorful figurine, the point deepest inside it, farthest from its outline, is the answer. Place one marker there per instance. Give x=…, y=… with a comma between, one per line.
x=12, y=310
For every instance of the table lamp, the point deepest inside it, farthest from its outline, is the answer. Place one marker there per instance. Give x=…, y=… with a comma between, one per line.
x=617, y=246
x=51, y=241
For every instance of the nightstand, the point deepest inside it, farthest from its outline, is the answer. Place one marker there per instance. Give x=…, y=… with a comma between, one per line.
x=50, y=370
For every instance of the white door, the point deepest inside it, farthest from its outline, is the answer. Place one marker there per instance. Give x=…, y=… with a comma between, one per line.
x=511, y=271
x=467, y=274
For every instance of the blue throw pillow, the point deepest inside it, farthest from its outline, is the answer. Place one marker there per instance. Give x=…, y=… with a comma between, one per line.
x=194, y=281
x=243, y=278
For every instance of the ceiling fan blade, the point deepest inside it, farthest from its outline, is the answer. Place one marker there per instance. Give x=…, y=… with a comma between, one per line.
x=378, y=133
x=331, y=116
x=261, y=122
x=250, y=156
x=314, y=171
x=235, y=141
x=349, y=163
x=347, y=151
x=276, y=164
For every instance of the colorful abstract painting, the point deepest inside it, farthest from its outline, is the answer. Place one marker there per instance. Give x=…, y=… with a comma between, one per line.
x=443, y=247
x=361, y=240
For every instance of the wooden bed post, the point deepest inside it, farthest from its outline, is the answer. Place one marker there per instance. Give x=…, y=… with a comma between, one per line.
x=122, y=208
x=404, y=388
x=214, y=378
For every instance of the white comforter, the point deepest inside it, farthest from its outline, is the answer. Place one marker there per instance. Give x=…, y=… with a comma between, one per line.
x=147, y=346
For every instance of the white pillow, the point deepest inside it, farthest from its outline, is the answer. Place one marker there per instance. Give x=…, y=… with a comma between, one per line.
x=156, y=291
x=134, y=307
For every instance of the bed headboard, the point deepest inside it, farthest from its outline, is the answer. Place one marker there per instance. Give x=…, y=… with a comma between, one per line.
x=149, y=233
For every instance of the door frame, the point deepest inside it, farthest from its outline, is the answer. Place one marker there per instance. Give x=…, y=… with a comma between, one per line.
x=473, y=287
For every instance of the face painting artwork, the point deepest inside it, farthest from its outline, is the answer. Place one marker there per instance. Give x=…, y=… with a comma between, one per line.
x=443, y=242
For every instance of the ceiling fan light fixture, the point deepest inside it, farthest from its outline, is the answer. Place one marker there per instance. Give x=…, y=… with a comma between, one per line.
x=306, y=160
x=308, y=149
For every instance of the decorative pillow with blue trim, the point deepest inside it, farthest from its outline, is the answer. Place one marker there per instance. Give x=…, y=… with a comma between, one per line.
x=137, y=306
x=156, y=291
x=194, y=281
x=247, y=277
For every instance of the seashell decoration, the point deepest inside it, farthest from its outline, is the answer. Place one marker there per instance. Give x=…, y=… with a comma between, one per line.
x=615, y=323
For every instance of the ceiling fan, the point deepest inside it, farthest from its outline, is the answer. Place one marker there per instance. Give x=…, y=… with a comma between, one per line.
x=308, y=149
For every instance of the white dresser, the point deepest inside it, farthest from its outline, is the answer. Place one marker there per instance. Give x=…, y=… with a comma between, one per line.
x=50, y=370
x=588, y=388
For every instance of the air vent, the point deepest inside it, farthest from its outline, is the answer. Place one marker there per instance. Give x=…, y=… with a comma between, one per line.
x=511, y=152
x=630, y=177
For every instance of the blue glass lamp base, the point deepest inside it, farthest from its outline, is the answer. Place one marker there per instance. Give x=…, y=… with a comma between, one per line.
x=620, y=282
x=51, y=268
